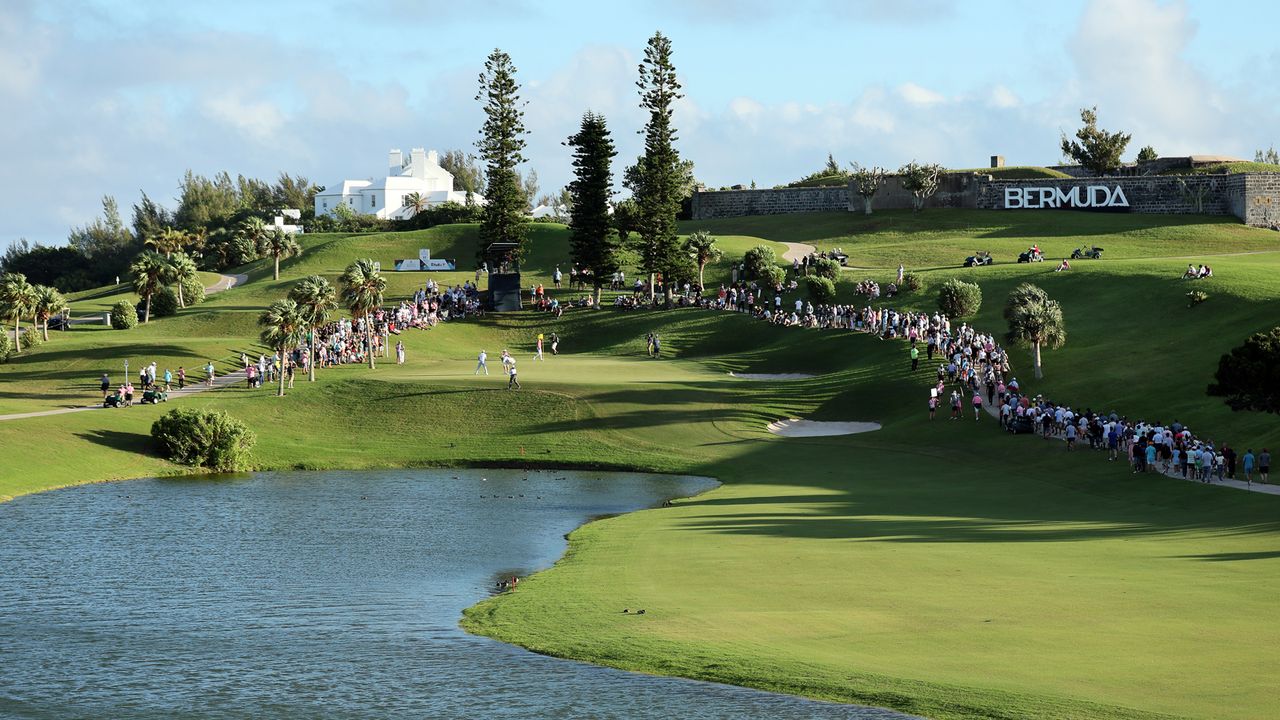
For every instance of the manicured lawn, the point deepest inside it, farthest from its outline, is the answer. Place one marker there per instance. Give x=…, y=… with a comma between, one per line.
x=941, y=568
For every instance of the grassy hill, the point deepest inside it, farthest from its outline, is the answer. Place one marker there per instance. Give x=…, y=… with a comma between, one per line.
x=941, y=568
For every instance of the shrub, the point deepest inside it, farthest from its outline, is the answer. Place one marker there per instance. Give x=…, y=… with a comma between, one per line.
x=757, y=259
x=821, y=290
x=772, y=276
x=164, y=303
x=1195, y=297
x=827, y=268
x=193, y=292
x=6, y=347
x=124, y=315
x=203, y=438
x=910, y=283
x=32, y=337
x=1249, y=376
x=959, y=299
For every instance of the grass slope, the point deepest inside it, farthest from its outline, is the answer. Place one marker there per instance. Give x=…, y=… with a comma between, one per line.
x=940, y=568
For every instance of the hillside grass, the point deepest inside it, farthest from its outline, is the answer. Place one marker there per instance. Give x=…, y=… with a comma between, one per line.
x=1226, y=168
x=1017, y=172
x=942, y=568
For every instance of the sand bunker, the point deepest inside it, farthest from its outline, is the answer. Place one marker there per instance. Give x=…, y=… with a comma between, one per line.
x=771, y=376
x=812, y=428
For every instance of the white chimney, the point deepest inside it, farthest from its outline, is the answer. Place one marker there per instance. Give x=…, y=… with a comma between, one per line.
x=395, y=163
x=433, y=157
x=418, y=158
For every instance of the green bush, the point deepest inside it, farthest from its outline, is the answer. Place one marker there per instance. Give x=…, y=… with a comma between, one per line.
x=32, y=337
x=6, y=347
x=772, y=276
x=1249, y=376
x=203, y=438
x=193, y=292
x=829, y=269
x=910, y=283
x=164, y=303
x=124, y=315
x=821, y=290
x=959, y=299
x=757, y=259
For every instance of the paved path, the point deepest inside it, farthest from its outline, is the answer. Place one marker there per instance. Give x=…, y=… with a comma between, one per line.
x=226, y=282
x=797, y=251
x=191, y=389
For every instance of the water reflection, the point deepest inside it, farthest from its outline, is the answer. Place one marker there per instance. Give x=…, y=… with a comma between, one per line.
x=293, y=595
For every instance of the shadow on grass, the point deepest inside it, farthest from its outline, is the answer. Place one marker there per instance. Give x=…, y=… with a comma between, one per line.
x=118, y=440
x=1232, y=556
x=878, y=494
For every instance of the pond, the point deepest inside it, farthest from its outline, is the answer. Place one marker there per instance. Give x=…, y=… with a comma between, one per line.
x=336, y=595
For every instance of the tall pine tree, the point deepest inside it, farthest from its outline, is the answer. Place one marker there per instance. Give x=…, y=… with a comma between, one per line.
x=592, y=239
x=657, y=179
x=501, y=146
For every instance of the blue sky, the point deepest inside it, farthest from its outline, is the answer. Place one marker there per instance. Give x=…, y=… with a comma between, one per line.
x=115, y=98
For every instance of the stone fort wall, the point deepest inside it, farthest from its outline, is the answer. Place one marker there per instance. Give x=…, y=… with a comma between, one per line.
x=1254, y=198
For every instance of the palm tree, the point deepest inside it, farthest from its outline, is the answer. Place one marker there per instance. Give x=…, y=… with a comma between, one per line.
x=253, y=231
x=150, y=273
x=1035, y=323
x=283, y=329
x=362, y=287
x=17, y=296
x=702, y=248
x=277, y=244
x=167, y=241
x=417, y=202
x=315, y=298
x=182, y=269
x=48, y=302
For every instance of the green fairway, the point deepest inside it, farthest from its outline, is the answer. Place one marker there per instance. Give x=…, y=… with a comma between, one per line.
x=941, y=568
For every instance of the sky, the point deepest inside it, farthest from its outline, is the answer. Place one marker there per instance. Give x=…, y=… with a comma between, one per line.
x=116, y=98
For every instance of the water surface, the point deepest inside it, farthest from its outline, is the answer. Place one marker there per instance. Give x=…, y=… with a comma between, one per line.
x=308, y=595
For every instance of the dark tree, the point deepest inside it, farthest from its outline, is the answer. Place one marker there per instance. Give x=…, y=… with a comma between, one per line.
x=1249, y=376
x=592, y=238
x=1097, y=150
x=501, y=146
x=659, y=178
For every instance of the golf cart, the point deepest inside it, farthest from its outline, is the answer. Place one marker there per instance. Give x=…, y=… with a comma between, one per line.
x=1031, y=255
x=980, y=257
x=154, y=397
x=839, y=256
x=1093, y=253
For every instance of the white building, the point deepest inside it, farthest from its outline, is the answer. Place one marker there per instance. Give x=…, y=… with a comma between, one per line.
x=288, y=228
x=386, y=197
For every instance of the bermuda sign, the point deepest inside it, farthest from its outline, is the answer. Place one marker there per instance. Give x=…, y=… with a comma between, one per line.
x=1082, y=197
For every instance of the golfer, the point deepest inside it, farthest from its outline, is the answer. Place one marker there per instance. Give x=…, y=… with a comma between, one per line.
x=481, y=363
x=512, y=381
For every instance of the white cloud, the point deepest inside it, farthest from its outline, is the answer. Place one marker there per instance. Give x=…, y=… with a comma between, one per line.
x=917, y=95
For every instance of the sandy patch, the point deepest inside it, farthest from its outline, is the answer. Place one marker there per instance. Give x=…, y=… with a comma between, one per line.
x=795, y=427
x=771, y=376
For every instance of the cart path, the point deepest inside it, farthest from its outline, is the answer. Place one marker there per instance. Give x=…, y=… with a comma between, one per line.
x=226, y=282
x=797, y=251
x=191, y=389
